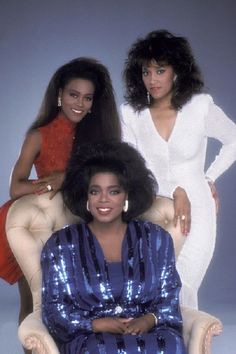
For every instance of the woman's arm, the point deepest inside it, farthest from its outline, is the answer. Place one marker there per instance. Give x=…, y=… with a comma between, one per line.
x=19, y=183
x=60, y=306
x=220, y=127
x=166, y=308
x=182, y=210
x=127, y=120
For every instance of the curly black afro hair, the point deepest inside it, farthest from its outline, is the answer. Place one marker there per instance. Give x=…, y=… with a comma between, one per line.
x=116, y=157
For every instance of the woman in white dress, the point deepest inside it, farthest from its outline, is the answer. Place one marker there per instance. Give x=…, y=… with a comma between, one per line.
x=168, y=119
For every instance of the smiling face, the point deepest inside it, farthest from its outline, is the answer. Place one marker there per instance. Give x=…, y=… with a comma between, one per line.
x=77, y=99
x=106, y=197
x=158, y=79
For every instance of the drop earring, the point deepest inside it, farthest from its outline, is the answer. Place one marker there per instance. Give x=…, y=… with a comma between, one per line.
x=148, y=98
x=59, y=101
x=126, y=206
x=87, y=206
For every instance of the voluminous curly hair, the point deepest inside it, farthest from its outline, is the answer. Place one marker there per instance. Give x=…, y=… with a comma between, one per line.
x=115, y=157
x=165, y=48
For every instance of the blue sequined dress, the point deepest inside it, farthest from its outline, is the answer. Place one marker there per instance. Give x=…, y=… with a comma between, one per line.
x=79, y=285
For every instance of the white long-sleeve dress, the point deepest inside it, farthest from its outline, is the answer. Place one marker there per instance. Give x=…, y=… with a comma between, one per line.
x=180, y=161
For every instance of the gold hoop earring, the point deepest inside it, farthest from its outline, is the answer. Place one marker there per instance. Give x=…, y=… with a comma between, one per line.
x=148, y=98
x=59, y=102
x=87, y=206
x=126, y=206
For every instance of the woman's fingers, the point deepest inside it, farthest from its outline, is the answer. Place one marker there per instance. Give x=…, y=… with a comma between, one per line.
x=185, y=222
x=182, y=209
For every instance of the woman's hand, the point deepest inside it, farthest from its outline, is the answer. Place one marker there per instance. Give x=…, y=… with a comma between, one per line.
x=182, y=209
x=51, y=183
x=214, y=194
x=114, y=325
x=140, y=325
x=119, y=325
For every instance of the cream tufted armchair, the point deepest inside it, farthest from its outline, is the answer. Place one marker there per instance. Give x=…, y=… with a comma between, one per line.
x=30, y=222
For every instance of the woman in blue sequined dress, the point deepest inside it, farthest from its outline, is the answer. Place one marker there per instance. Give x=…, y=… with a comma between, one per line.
x=109, y=283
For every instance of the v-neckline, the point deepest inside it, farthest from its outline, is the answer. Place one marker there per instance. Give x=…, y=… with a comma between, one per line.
x=101, y=249
x=156, y=130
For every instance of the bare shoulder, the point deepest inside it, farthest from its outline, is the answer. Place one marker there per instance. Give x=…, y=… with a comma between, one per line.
x=33, y=137
x=32, y=142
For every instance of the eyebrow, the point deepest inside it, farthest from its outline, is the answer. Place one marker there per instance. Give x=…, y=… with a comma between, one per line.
x=112, y=186
x=85, y=94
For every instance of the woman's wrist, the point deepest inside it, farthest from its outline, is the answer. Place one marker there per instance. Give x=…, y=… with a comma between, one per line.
x=95, y=325
x=154, y=318
x=209, y=180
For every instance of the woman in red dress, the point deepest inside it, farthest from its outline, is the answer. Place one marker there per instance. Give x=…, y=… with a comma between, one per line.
x=78, y=106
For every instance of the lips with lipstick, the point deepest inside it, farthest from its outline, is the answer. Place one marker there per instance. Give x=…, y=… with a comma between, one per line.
x=155, y=89
x=104, y=211
x=77, y=111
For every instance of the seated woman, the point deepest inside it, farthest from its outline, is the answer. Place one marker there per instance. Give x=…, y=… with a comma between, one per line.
x=109, y=283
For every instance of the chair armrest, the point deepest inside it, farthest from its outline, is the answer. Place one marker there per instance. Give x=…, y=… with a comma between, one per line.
x=34, y=335
x=199, y=327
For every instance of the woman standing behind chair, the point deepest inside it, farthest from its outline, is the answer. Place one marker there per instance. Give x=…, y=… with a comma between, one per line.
x=168, y=119
x=110, y=283
x=78, y=106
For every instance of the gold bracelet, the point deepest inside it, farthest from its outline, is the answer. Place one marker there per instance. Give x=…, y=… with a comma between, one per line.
x=155, y=317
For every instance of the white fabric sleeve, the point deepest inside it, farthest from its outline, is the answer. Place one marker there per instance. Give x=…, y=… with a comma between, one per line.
x=128, y=133
x=220, y=127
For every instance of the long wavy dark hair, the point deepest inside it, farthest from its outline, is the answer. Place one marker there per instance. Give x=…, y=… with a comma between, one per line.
x=103, y=121
x=115, y=157
x=166, y=48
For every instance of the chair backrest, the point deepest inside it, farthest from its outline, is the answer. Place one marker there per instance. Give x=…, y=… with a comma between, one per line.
x=30, y=222
x=32, y=219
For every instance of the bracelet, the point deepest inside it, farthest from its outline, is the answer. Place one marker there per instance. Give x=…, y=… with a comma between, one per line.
x=155, y=318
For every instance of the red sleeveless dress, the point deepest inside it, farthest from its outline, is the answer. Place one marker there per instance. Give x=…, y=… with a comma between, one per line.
x=57, y=139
